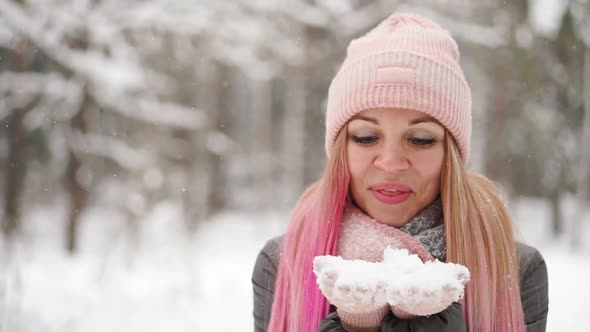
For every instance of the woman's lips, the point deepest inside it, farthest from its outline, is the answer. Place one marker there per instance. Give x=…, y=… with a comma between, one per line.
x=391, y=193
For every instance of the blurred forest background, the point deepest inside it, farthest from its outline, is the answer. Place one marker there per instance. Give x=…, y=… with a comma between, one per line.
x=216, y=106
x=220, y=104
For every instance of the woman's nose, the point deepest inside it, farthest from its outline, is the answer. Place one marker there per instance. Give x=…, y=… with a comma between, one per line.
x=392, y=158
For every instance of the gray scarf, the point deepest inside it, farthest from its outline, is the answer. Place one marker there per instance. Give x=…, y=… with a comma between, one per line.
x=428, y=227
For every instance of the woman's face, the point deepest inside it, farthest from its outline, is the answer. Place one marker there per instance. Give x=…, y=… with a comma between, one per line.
x=395, y=158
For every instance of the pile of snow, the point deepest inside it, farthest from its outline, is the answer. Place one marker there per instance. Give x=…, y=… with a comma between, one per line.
x=401, y=280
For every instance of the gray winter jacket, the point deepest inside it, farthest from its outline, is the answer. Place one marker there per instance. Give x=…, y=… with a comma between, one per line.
x=533, y=290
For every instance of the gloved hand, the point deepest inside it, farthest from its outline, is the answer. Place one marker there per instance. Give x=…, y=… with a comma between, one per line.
x=361, y=290
x=422, y=289
x=355, y=287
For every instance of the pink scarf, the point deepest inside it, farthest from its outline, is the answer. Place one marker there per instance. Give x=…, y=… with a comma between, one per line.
x=362, y=237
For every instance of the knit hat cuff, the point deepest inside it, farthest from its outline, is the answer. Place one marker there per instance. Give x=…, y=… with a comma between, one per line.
x=364, y=320
x=401, y=314
x=401, y=80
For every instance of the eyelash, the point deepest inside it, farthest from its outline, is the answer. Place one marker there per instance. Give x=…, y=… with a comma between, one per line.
x=421, y=141
x=413, y=140
x=364, y=139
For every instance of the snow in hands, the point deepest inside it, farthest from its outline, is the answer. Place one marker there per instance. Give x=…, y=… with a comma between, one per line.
x=400, y=280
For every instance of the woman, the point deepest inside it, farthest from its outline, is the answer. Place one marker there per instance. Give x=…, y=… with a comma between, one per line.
x=398, y=131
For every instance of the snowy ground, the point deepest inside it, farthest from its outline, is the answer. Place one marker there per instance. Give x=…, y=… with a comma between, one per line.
x=167, y=281
x=569, y=273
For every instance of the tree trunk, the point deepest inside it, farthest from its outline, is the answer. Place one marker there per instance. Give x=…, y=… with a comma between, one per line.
x=261, y=155
x=78, y=195
x=217, y=190
x=556, y=216
x=15, y=172
x=496, y=124
x=583, y=170
x=200, y=198
x=293, y=137
x=15, y=163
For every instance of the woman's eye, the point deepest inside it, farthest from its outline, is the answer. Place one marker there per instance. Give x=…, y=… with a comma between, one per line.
x=421, y=141
x=364, y=139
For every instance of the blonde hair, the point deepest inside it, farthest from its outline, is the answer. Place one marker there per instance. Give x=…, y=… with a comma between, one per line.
x=479, y=235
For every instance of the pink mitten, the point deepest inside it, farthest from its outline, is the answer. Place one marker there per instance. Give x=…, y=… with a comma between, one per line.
x=422, y=289
x=355, y=287
x=363, y=238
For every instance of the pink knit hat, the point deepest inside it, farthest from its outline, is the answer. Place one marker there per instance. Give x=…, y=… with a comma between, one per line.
x=409, y=62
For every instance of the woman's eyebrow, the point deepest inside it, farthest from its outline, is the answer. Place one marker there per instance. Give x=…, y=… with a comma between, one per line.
x=365, y=118
x=422, y=120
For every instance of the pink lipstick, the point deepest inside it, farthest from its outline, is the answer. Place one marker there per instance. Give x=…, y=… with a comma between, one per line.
x=391, y=193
